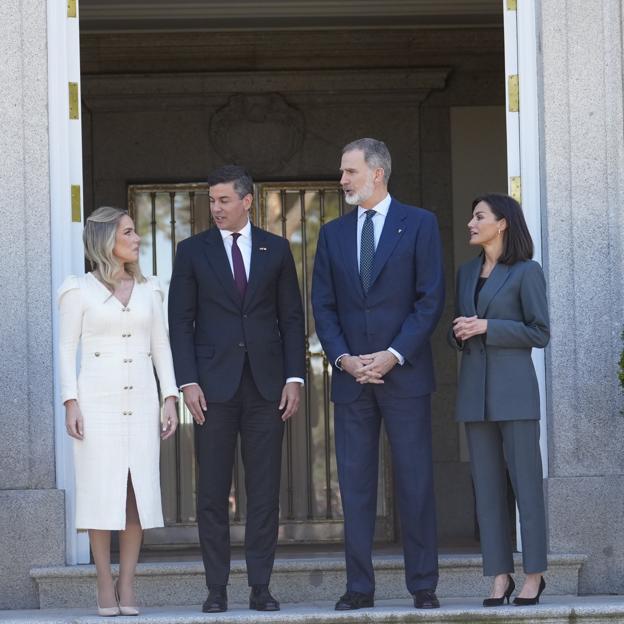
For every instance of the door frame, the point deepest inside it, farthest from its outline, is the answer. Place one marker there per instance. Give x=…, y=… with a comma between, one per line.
x=65, y=146
x=65, y=140
x=523, y=156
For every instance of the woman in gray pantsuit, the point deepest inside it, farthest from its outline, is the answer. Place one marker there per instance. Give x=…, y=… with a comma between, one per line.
x=501, y=314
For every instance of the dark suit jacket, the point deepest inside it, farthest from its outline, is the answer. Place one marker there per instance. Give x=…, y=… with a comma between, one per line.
x=211, y=328
x=497, y=379
x=401, y=308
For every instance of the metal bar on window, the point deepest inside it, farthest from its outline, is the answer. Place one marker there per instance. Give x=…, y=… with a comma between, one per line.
x=172, y=222
x=153, y=224
x=192, y=208
x=289, y=431
x=326, y=406
x=237, y=495
x=306, y=320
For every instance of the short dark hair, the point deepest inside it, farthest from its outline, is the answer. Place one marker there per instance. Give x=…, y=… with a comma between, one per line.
x=243, y=182
x=376, y=154
x=517, y=241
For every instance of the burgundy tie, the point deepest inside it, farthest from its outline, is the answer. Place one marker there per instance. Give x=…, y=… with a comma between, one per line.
x=240, y=277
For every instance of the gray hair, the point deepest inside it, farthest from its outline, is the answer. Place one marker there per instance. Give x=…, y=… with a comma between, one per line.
x=376, y=154
x=99, y=237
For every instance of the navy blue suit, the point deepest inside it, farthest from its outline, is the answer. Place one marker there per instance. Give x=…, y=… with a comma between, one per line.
x=240, y=351
x=400, y=310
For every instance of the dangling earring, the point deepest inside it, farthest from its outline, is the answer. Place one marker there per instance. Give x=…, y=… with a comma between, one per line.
x=498, y=233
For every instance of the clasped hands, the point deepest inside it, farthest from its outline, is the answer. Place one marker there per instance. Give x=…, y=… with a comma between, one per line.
x=370, y=367
x=465, y=327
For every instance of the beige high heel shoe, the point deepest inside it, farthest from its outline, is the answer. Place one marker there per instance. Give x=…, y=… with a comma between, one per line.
x=125, y=610
x=106, y=611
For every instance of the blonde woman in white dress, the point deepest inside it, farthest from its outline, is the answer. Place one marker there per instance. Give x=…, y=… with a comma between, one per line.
x=112, y=409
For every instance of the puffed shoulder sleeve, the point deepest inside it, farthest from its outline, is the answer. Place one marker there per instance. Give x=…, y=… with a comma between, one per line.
x=69, y=283
x=156, y=286
x=69, y=297
x=159, y=339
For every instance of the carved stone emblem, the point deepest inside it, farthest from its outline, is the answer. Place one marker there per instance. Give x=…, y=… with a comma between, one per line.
x=262, y=132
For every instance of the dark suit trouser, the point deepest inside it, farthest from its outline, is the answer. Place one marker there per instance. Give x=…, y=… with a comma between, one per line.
x=408, y=425
x=494, y=447
x=261, y=429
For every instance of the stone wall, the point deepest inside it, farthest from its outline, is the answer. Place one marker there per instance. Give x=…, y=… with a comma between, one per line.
x=583, y=195
x=31, y=510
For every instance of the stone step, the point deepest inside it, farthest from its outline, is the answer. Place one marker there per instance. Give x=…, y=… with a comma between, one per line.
x=551, y=610
x=295, y=580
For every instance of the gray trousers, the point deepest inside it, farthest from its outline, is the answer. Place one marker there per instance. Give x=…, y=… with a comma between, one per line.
x=495, y=446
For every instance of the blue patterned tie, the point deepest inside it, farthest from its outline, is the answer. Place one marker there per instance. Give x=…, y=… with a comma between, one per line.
x=367, y=250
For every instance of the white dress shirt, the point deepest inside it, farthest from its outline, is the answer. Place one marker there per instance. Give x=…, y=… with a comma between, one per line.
x=381, y=210
x=244, y=244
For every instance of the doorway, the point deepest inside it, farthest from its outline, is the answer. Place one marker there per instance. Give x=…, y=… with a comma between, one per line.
x=163, y=107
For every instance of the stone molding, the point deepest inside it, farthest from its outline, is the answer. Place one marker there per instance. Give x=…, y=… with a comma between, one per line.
x=100, y=9
x=192, y=91
x=259, y=128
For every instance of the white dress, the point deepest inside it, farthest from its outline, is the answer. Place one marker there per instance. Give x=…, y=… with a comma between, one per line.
x=117, y=394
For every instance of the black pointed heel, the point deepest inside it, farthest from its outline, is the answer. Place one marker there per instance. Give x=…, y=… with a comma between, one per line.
x=527, y=602
x=498, y=602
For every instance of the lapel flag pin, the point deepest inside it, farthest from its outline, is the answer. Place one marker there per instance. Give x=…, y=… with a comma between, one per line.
x=263, y=248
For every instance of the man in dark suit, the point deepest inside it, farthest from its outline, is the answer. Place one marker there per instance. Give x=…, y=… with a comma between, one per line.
x=237, y=336
x=377, y=295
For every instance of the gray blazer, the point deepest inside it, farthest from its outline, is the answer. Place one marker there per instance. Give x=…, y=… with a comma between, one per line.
x=497, y=379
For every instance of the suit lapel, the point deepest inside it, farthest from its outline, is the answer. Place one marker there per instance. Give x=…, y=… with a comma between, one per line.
x=497, y=278
x=393, y=229
x=217, y=256
x=260, y=250
x=470, y=285
x=348, y=247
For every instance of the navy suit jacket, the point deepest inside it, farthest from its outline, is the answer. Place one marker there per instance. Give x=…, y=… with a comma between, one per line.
x=211, y=328
x=400, y=310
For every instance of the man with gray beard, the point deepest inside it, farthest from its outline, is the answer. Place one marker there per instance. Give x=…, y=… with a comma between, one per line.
x=377, y=295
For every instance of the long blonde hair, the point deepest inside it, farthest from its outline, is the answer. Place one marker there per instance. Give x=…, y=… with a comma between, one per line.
x=98, y=237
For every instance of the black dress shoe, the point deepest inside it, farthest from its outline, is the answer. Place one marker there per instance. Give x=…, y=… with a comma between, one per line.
x=426, y=599
x=216, y=601
x=355, y=600
x=260, y=599
x=528, y=602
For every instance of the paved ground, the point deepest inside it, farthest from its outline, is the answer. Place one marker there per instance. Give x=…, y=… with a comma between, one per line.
x=555, y=609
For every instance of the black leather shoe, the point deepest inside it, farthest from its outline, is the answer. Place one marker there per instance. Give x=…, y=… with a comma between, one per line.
x=217, y=600
x=260, y=599
x=426, y=599
x=355, y=600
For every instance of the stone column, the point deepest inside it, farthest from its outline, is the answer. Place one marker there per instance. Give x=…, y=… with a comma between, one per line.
x=580, y=69
x=31, y=509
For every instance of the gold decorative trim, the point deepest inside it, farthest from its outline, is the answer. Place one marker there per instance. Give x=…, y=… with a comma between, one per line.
x=75, y=203
x=515, y=188
x=74, y=106
x=514, y=93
